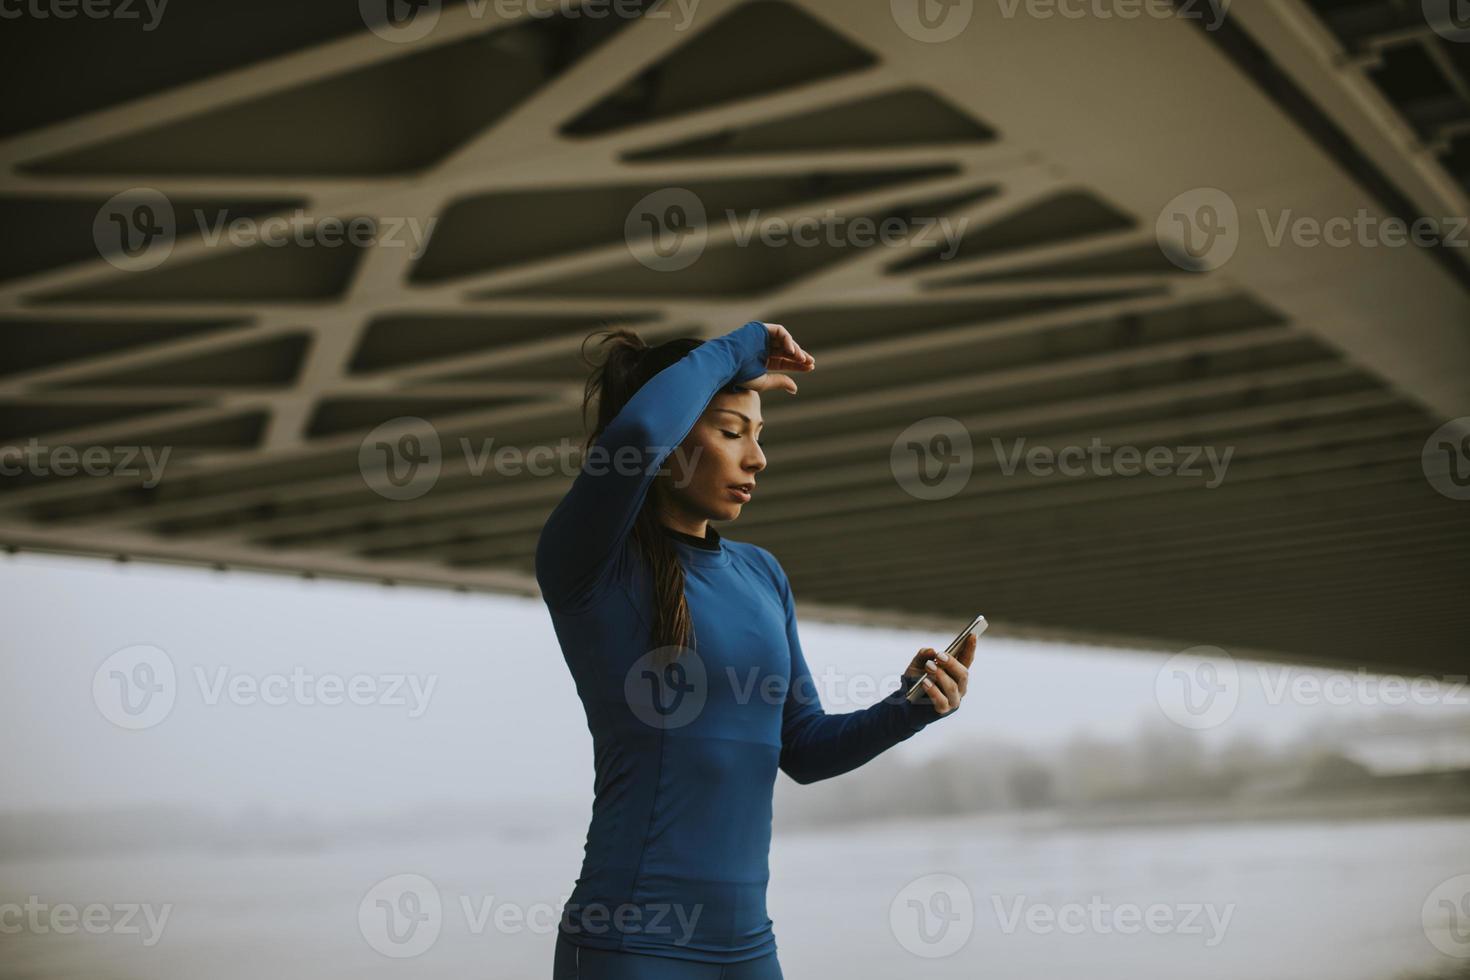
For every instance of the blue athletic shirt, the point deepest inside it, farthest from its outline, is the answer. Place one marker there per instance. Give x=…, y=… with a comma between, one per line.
x=676, y=856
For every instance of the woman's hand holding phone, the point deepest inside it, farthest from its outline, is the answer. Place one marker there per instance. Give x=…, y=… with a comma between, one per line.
x=944, y=676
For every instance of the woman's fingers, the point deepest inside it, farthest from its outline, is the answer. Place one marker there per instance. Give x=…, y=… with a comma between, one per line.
x=770, y=382
x=951, y=669
x=781, y=345
x=966, y=653
x=784, y=353
x=945, y=681
x=956, y=670
x=784, y=362
x=948, y=676
x=780, y=339
x=937, y=696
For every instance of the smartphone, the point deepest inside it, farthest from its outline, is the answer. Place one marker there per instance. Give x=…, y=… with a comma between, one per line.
x=977, y=626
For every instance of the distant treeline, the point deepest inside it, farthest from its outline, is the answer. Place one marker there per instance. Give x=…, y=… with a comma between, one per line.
x=1160, y=770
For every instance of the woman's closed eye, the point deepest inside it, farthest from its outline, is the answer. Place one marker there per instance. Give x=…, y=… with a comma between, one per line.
x=736, y=435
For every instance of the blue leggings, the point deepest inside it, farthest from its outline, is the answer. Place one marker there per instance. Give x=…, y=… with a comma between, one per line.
x=575, y=962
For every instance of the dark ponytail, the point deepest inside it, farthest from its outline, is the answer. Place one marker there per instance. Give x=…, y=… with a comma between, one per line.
x=627, y=364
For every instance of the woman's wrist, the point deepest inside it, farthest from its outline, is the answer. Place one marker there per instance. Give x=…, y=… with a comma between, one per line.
x=752, y=342
x=920, y=711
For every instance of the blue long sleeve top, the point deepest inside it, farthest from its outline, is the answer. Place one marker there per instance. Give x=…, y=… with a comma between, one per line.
x=676, y=857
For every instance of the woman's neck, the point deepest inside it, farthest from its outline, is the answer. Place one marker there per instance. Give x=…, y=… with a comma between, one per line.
x=709, y=541
x=701, y=531
x=685, y=525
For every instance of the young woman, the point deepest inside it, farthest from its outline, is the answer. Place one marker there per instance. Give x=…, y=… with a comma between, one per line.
x=683, y=647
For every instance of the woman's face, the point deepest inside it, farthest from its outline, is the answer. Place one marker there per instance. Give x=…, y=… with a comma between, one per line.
x=721, y=451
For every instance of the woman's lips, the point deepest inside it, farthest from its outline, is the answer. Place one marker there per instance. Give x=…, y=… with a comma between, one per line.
x=740, y=495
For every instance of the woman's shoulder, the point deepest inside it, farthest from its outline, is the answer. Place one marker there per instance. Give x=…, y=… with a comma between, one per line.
x=615, y=578
x=759, y=559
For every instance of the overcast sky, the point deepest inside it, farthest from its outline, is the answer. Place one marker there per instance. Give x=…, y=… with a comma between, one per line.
x=501, y=720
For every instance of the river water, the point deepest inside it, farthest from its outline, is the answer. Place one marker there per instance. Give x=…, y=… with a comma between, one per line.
x=956, y=898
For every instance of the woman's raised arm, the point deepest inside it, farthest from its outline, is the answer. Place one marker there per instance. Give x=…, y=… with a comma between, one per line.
x=585, y=530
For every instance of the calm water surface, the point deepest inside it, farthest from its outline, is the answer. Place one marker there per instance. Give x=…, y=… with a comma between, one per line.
x=1289, y=900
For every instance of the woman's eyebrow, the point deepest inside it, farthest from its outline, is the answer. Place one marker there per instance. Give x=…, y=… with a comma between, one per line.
x=742, y=415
